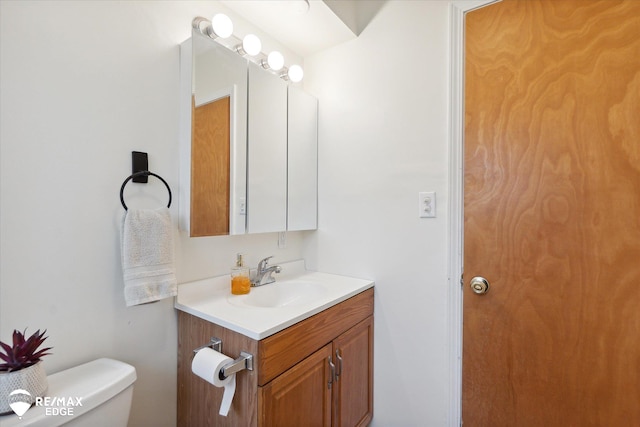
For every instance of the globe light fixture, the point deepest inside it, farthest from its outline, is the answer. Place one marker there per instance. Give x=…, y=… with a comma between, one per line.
x=275, y=60
x=251, y=44
x=295, y=73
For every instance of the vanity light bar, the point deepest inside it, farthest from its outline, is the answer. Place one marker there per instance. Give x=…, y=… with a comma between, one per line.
x=220, y=29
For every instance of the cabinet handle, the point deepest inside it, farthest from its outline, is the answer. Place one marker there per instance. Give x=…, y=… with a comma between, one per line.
x=333, y=372
x=339, y=357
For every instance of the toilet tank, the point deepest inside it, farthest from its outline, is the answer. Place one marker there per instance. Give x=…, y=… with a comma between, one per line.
x=96, y=394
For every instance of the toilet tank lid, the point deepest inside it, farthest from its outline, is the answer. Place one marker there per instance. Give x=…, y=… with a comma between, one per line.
x=93, y=383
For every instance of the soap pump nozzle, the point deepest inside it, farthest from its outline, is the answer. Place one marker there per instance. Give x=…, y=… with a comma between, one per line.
x=240, y=260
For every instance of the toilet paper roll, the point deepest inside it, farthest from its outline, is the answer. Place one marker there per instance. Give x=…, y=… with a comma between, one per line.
x=206, y=364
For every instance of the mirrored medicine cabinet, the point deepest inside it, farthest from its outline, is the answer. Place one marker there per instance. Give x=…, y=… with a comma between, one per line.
x=248, y=148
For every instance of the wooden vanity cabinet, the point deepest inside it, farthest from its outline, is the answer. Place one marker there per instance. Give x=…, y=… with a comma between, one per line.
x=318, y=372
x=332, y=387
x=301, y=396
x=353, y=387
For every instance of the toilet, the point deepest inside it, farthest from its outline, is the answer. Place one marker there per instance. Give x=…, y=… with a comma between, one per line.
x=96, y=394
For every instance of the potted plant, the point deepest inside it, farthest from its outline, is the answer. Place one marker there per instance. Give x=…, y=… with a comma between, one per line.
x=22, y=368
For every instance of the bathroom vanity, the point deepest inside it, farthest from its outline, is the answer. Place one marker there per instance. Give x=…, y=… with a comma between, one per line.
x=311, y=337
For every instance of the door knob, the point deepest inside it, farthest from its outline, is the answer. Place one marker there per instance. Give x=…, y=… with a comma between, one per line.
x=479, y=285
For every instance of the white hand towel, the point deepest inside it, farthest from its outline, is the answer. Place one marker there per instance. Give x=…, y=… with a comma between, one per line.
x=147, y=256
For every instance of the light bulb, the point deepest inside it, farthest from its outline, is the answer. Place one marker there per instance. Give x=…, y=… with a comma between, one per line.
x=295, y=73
x=275, y=60
x=251, y=44
x=222, y=25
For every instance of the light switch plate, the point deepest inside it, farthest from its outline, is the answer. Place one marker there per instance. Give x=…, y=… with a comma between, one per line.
x=427, y=204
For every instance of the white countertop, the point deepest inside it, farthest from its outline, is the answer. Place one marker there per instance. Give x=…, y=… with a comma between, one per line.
x=211, y=299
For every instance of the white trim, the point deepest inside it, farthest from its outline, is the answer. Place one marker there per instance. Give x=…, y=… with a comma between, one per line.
x=184, y=193
x=456, y=187
x=208, y=98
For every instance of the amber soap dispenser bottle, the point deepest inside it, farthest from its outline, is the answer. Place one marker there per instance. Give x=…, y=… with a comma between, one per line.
x=240, y=281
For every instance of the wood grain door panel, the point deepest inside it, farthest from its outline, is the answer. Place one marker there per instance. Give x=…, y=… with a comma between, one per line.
x=552, y=214
x=353, y=392
x=299, y=397
x=210, y=169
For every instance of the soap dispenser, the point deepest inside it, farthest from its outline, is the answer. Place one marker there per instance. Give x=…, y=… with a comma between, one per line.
x=240, y=281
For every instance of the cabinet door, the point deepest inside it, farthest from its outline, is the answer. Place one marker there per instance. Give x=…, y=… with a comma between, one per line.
x=267, y=152
x=353, y=393
x=302, y=151
x=213, y=138
x=301, y=396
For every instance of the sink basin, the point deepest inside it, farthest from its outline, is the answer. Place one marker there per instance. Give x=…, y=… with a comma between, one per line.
x=297, y=294
x=280, y=294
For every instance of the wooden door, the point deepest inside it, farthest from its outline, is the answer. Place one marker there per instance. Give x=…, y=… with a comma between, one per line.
x=210, y=168
x=552, y=214
x=300, y=396
x=353, y=391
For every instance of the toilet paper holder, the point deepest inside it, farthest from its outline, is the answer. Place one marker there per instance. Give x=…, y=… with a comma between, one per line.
x=244, y=361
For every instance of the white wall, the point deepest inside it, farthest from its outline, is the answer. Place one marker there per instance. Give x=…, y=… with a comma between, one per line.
x=82, y=85
x=383, y=138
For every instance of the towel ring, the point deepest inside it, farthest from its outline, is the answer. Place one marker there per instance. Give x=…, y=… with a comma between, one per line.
x=142, y=173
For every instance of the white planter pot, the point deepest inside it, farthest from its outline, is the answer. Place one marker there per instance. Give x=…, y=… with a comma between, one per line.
x=32, y=379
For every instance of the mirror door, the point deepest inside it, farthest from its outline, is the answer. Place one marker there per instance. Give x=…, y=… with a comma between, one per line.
x=267, y=152
x=302, y=154
x=214, y=139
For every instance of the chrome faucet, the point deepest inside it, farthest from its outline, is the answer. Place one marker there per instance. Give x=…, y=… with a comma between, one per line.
x=264, y=273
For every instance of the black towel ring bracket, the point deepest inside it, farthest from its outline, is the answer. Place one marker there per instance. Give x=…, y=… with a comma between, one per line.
x=138, y=174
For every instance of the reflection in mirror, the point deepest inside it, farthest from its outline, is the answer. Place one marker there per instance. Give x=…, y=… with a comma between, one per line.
x=213, y=168
x=210, y=174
